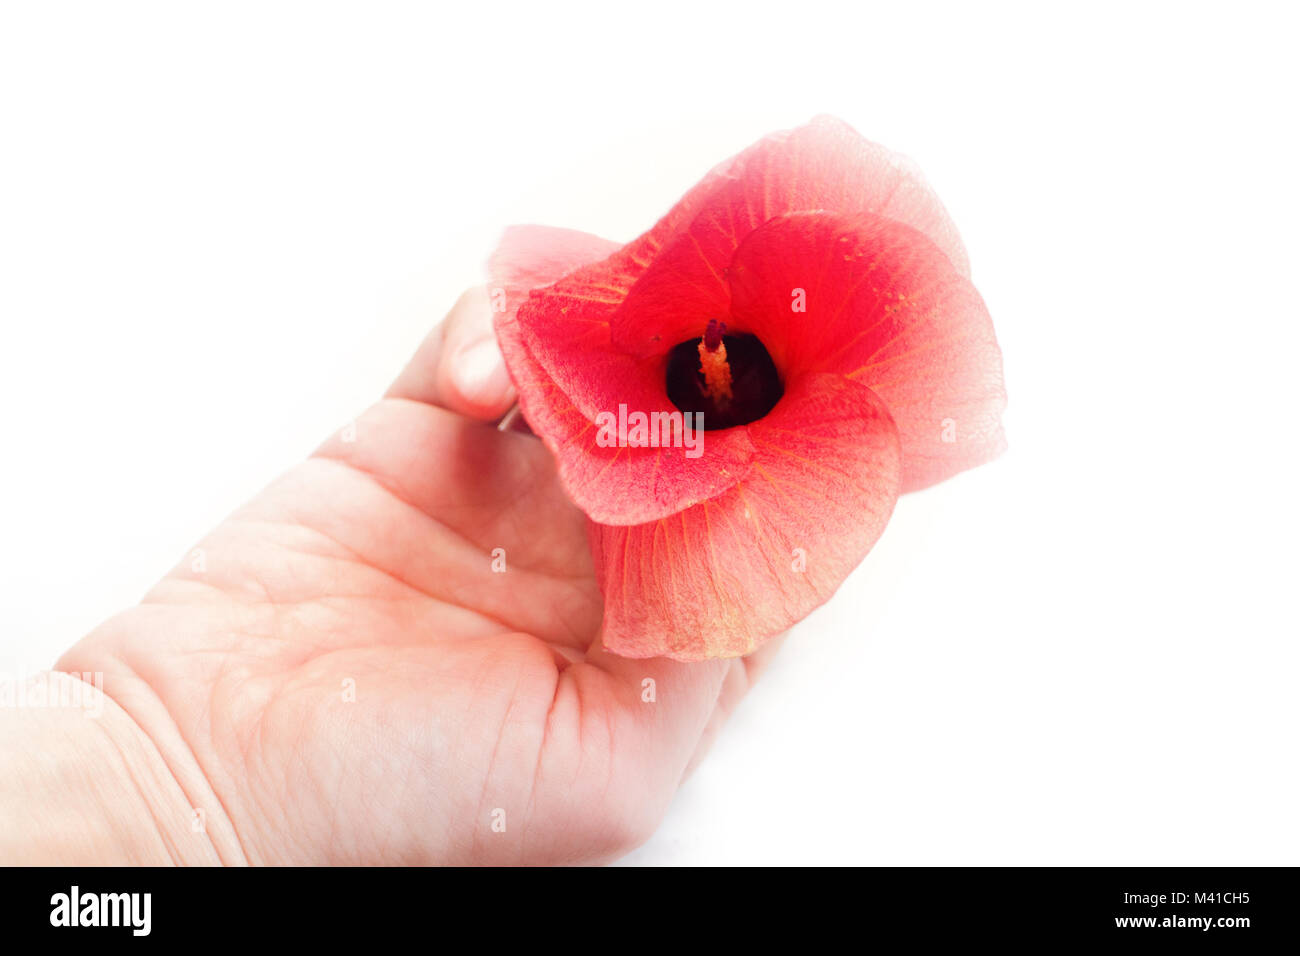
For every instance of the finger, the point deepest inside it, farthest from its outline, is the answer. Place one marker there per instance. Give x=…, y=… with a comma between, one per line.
x=678, y=708
x=487, y=489
x=740, y=679
x=663, y=707
x=459, y=366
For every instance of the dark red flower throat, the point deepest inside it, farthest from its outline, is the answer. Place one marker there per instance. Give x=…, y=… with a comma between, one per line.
x=730, y=379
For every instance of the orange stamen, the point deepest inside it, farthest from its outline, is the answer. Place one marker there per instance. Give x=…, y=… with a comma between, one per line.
x=713, y=362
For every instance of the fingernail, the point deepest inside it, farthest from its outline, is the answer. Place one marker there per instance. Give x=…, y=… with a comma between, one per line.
x=479, y=372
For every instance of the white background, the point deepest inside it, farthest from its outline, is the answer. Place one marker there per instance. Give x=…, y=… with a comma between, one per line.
x=224, y=228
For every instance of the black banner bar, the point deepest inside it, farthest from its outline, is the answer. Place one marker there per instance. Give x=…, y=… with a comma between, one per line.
x=1226, y=907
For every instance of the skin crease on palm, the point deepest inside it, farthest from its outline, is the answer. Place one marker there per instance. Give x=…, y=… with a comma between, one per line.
x=366, y=573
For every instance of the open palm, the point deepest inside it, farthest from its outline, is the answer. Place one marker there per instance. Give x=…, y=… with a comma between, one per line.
x=392, y=654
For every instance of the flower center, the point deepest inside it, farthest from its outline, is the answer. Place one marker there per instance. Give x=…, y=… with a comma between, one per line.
x=729, y=378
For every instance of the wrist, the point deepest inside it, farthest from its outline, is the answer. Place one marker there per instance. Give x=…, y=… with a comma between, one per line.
x=82, y=784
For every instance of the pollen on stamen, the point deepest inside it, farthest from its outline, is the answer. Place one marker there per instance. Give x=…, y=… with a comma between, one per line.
x=713, y=362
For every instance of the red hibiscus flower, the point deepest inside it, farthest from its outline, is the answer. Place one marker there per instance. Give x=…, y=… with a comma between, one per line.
x=809, y=301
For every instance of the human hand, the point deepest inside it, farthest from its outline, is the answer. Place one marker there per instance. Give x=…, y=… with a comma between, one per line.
x=345, y=678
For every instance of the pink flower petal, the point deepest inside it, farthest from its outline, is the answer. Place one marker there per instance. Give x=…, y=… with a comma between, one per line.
x=720, y=578
x=884, y=306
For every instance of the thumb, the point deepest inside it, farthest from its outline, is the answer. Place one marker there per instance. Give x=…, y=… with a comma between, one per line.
x=459, y=366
